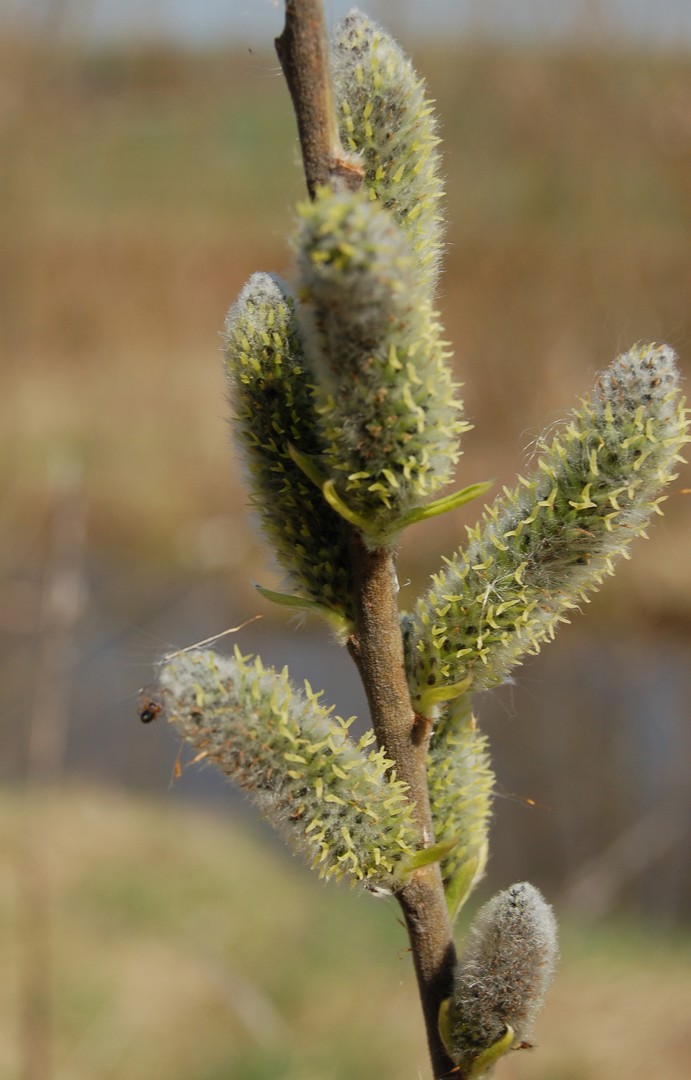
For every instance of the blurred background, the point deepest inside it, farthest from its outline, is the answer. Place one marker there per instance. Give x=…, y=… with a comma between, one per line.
x=148, y=165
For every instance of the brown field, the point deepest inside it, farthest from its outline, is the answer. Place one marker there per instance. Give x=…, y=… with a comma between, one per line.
x=183, y=948
x=138, y=191
x=141, y=189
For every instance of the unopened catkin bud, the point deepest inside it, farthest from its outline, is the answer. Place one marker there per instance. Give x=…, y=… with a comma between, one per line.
x=337, y=801
x=460, y=782
x=501, y=980
x=388, y=408
x=542, y=547
x=273, y=410
x=385, y=116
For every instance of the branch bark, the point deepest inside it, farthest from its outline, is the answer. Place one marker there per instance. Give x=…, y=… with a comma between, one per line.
x=377, y=649
x=303, y=52
x=376, y=646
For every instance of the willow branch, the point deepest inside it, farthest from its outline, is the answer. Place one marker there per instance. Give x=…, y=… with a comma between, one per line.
x=376, y=645
x=377, y=649
x=303, y=52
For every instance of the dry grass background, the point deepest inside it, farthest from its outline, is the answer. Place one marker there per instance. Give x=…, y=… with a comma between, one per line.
x=138, y=191
x=171, y=960
x=141, y=188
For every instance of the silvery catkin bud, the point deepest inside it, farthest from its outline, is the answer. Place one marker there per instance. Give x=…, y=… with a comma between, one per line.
x=390, y=418
x=270, y=392
x=501, y=979
x=460, y=783
x=540, y=548
x=385, y=116
x=337, y=801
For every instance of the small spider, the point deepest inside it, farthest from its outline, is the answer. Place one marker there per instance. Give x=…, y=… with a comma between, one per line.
x=149, y=710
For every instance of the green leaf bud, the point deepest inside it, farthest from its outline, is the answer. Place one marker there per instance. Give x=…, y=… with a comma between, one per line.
x=271, y=396
x=386, y=117
x=390, y=418
x=460, y=784
x=540, y=548
x=337, y=801
x=501, y=979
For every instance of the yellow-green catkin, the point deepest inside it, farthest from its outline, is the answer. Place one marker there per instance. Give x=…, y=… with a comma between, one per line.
x=271, y=397
x=543, y=546
x=460, y=783
x=337, y=801
x=387, y=403
x=501, y=979
x=386, y=117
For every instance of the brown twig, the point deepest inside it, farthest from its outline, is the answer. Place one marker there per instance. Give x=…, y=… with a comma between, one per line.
x=303, y=51
x=377, y=649
x=376, y=645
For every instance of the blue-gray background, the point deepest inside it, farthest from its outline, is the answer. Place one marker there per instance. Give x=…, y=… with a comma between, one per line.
x=240, y=21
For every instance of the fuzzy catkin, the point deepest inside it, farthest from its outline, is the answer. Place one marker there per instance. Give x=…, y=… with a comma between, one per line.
x=385, y=116
x=336, y=801
x=388, y=410
x=460, y=783
x=540, y=548
x=503, y=976
x=271, y=396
